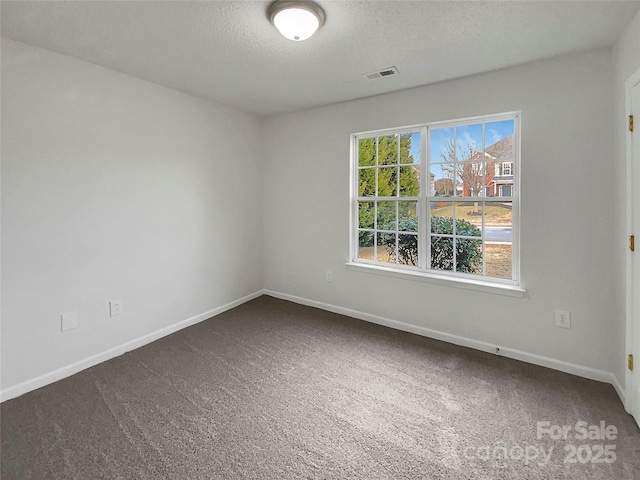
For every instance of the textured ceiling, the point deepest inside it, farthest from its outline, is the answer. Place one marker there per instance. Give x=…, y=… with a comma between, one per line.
x=227, y=51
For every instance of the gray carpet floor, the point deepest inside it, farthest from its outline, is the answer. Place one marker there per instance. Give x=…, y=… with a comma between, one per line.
x=274, y=390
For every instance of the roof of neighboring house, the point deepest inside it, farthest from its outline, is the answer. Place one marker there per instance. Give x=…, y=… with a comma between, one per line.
x=501, y=149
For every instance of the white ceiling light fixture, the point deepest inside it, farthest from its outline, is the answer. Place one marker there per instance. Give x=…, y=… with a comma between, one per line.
x=296, y=20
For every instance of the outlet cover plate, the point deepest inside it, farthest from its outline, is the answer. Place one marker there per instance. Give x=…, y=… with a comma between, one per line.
x=68, y=321
x=116, y=307
x=563, y=318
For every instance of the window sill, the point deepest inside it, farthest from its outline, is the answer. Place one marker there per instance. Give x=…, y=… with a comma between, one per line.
x=477, y=285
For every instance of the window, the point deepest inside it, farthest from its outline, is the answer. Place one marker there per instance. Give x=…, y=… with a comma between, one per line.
x=505, y=190
x=432, y=199
x=505, y=169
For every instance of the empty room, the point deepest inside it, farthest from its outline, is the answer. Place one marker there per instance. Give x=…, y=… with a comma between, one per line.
x=325, y=239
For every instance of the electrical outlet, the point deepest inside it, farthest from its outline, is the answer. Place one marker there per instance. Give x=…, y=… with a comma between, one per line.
x=68, y=321
x=329, y=276
x=116, y=307
x=563, y=318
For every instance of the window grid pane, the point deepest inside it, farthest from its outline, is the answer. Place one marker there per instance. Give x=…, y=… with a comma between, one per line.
x=468, y=197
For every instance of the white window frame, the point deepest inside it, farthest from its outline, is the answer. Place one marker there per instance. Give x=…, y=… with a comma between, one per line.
x=422, y=272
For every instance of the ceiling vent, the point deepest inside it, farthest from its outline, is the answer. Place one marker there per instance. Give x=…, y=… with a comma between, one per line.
x=385, y=72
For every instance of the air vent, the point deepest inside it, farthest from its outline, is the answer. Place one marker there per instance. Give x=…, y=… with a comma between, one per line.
x=385, y=72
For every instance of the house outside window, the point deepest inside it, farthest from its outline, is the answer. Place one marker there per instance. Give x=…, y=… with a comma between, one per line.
x=439, y=199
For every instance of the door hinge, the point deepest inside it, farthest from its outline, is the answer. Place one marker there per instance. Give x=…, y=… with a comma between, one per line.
x=632, y=243
x=631, y=123
x=630, y=362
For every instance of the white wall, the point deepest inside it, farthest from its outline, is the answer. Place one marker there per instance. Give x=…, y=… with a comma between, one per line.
x=113, y=187
x=568, y=215
x=627, y=61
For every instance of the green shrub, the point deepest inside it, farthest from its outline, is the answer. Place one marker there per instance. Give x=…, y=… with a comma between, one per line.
x=468, y=252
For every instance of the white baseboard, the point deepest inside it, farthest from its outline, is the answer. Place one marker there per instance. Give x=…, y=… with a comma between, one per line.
x=619, y=390
x=68, y=370
x=560, y=365
x=72, y=369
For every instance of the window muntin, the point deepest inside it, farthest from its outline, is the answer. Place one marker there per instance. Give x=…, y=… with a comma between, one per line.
x=459, y=219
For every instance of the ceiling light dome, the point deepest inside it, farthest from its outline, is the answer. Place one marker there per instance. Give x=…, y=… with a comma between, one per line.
x=296, y=20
